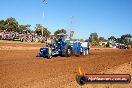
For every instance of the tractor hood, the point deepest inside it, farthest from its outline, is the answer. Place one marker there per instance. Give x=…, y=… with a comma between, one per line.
x=44, y=50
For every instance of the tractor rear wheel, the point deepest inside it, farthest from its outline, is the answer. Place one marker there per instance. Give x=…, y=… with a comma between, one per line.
x=67, y=51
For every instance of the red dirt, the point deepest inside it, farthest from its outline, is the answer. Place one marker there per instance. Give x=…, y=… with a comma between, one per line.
x=20, y=68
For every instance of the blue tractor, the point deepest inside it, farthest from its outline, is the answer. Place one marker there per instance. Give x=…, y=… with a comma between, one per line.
x=63, y=47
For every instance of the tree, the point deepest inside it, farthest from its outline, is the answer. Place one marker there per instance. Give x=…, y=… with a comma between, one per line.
x=94, y=39
x=39, y=29
x=11, y=24
x=118, y=40
x=102, y=39
x=25, y=28
x=112, y=38
x=46, y=32
x=60, y=31
x=126, y=38
x=2, y=25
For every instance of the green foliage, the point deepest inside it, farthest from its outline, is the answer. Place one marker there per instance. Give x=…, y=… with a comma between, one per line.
x=108, y=44
x=112, y=38
x=25, y=28
x=126, y=38
x=94, y=39
x=96, y=43
x=11, y=24
x=2, y=24
x=46, y=32
x=39, y=29
x=60, y=31
x=118, y=40
x=102, y=39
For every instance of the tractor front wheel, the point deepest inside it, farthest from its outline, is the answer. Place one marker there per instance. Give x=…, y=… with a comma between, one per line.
x=50, y=56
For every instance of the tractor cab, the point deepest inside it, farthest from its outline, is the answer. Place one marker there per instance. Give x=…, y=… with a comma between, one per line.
x=61, y=38
x=60, y=41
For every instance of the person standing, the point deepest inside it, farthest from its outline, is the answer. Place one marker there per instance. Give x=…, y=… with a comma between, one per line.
x=48, y=41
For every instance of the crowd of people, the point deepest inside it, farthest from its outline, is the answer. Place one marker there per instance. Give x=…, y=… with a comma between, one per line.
x=23, y=37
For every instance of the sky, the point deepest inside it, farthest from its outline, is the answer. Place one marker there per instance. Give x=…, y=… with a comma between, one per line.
x=105, y=17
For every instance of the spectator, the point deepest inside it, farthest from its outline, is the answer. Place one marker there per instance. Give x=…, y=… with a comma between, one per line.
x=48, y=42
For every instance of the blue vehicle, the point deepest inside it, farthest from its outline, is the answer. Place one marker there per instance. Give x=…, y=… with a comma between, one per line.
x=63, y=47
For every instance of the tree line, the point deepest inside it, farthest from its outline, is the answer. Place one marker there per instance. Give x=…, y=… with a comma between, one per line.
x=11, y=24
x=124, y=39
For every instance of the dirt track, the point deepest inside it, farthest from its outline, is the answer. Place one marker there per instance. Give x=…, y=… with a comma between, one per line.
x=19, y=68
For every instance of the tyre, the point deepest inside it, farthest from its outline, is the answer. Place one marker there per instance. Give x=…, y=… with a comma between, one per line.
x=50, y=56
x=21, y=39
x=67, y=51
